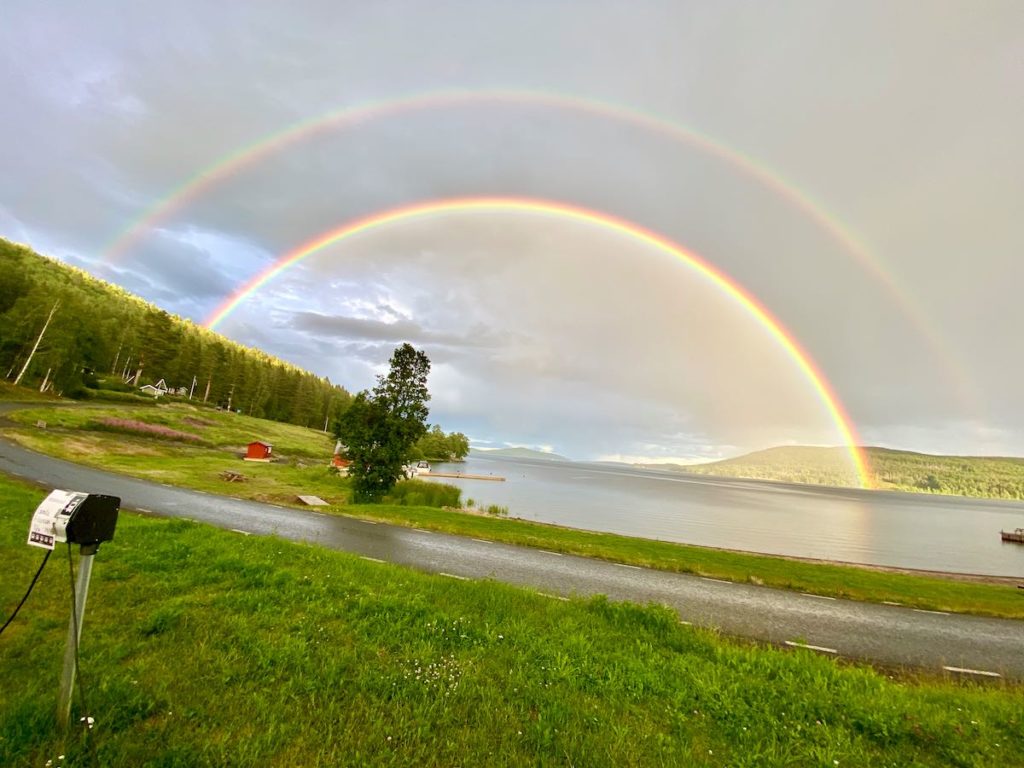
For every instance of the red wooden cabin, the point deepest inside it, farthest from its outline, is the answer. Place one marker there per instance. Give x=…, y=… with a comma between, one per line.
x=259, y=450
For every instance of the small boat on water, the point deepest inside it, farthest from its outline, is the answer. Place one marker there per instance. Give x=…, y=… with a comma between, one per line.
x=419, y=468
x=1017, y=535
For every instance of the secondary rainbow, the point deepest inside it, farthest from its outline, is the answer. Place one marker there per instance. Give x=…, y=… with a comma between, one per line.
x=719, y=279
x=250, y=154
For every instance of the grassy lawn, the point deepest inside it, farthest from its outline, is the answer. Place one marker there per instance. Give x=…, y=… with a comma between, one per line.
x=303, y=453
x=202, y=647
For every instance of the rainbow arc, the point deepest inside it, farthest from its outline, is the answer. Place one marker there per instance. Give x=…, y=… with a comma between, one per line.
x=463, y=206
x=248, y=155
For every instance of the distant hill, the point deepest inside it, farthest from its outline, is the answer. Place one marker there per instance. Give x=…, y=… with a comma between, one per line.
x=977, y=476
x=517, y=453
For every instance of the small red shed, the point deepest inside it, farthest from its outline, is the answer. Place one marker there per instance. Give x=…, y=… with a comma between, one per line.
x=259, y=451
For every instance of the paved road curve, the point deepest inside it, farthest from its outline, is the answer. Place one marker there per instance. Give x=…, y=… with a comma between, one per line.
x=881, y=633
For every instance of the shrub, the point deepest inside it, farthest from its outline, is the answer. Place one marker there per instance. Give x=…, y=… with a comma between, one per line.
x=421, y=493
x=130, y=426
x=110, y=385
x=494, y=510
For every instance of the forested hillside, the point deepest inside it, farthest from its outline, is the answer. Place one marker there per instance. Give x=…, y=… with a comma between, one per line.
x=101, y=336
x=979, y=476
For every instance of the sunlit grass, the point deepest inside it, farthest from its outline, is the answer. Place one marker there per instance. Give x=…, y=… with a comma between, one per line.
x=219, y=429
x=202, y=647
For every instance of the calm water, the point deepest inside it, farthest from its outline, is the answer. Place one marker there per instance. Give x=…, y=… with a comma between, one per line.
x=904, y=530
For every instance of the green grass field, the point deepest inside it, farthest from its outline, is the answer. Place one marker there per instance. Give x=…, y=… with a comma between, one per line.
x=302, y=454
x=205, y=648
x=302, y=470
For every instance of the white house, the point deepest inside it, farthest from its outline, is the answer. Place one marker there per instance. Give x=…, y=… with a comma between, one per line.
x=156, y=390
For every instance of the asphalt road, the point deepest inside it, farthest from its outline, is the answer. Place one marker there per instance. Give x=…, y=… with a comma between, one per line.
x=977, y=647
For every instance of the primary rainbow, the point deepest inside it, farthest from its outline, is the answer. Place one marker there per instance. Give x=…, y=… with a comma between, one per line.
x=719, y=279
x=248, y=155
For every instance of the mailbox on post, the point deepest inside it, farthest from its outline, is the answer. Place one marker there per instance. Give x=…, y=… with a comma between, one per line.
x=86, y=519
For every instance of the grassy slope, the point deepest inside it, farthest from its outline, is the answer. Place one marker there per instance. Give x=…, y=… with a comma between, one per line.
x=975, y=476
x=24, y=394
x=202, y=647
x=199, y=467
x=302, y=453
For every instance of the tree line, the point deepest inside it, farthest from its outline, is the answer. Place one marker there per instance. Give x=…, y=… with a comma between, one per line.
x=435, y=445
x=65, y=331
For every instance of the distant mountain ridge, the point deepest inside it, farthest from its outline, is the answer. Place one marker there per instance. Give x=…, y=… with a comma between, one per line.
x=889, y=469
x=517, y=453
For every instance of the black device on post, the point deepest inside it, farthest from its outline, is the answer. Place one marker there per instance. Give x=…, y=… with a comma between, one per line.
x=86, y=519
x=93, y=520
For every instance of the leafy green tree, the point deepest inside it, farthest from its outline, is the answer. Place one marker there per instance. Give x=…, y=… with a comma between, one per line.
x=458, y=446
x=381, y=427
x=437, y=446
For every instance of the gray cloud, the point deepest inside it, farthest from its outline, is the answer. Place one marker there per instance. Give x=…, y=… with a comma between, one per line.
x=903, y=124
x=377, y=330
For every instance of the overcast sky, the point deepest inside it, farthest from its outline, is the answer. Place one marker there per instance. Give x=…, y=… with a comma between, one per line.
x=900, y=121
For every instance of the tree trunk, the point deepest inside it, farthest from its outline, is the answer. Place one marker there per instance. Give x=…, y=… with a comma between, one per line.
x=36, y=346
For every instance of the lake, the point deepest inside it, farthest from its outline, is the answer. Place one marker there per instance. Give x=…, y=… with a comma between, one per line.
x=943, y=533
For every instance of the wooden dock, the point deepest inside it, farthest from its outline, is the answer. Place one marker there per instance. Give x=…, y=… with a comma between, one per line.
x=462, y=476
x=1017, y=535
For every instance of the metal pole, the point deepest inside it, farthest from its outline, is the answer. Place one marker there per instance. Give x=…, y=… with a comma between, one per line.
x=67, y=678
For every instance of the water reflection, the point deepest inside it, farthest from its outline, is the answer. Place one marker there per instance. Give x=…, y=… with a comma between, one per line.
x=903, y=530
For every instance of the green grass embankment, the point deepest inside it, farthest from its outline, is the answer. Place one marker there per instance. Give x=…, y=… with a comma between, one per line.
x=205, y=648
x=302, y=470
x=852, y=582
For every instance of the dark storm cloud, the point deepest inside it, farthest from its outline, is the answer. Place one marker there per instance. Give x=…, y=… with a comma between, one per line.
x=183, y=269
x=377, y=330
x=171, y=273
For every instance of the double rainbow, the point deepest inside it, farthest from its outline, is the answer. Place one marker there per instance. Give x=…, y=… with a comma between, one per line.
x=250, y=154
